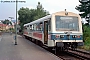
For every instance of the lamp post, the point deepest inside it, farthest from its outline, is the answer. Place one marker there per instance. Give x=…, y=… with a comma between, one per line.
x=2, y=27
x=16, y=24
x=16, y=17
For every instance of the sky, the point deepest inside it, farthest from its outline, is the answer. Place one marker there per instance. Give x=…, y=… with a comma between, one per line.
x=9, y=10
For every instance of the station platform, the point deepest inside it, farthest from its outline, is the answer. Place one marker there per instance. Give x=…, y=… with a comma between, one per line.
x=24, y=50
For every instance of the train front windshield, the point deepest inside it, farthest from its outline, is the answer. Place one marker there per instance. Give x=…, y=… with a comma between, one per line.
x=66, y=23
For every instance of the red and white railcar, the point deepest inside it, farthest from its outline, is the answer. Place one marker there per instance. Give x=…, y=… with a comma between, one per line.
x=61, y=29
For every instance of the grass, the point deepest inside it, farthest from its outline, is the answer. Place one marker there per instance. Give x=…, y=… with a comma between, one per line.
x=87, y=44
x=86, y=35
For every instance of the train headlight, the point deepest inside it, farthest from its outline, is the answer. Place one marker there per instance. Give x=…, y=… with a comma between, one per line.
x=61, y=36
x=74, y=36
x=78, y=36
x=57, y=36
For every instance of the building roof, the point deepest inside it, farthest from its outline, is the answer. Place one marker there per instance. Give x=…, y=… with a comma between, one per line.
x=4, y=25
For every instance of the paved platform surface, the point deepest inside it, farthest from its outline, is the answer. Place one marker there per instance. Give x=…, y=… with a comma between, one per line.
x=25, y=50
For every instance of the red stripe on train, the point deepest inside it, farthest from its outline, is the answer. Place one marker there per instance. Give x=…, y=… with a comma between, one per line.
x=25, y=32
x=38, y=35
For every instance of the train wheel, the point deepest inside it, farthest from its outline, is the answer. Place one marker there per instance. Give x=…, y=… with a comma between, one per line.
x=58, y=49
x=66, y=47
x=55, y=50
x=73, y=47
x=36, y=42
x=39, y=43
x=50, y=48
x=24, y=36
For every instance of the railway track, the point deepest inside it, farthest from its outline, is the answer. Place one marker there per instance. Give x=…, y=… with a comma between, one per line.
x=71, y=54
x=74, y=55
x=62, y=54
x=65, y=56
x=79, y=54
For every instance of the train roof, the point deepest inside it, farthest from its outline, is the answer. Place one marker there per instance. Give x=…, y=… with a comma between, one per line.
x=49, y=16
x=39, y=20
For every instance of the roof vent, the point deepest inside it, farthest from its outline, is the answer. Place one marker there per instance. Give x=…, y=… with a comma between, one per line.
x=66, y=13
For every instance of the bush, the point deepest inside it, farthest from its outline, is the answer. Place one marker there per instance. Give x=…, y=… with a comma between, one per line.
x=86, y=35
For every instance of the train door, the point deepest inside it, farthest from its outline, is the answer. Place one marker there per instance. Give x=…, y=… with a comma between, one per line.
x=45, y=32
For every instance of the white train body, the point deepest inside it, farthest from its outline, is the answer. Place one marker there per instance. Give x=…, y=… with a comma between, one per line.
x=58, y=29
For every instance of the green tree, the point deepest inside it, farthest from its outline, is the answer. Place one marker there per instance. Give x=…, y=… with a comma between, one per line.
x=40, y=11
x=23, y=15
x=6, y=21
x=27, y=15
x=84, y=7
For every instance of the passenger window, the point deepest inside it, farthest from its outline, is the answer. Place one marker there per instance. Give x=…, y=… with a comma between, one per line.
x=49, y=25
x=46, y=26
x=37, y=26
x=41, y=26
x=30, y=27
x=34, y=26
x=25, y=27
